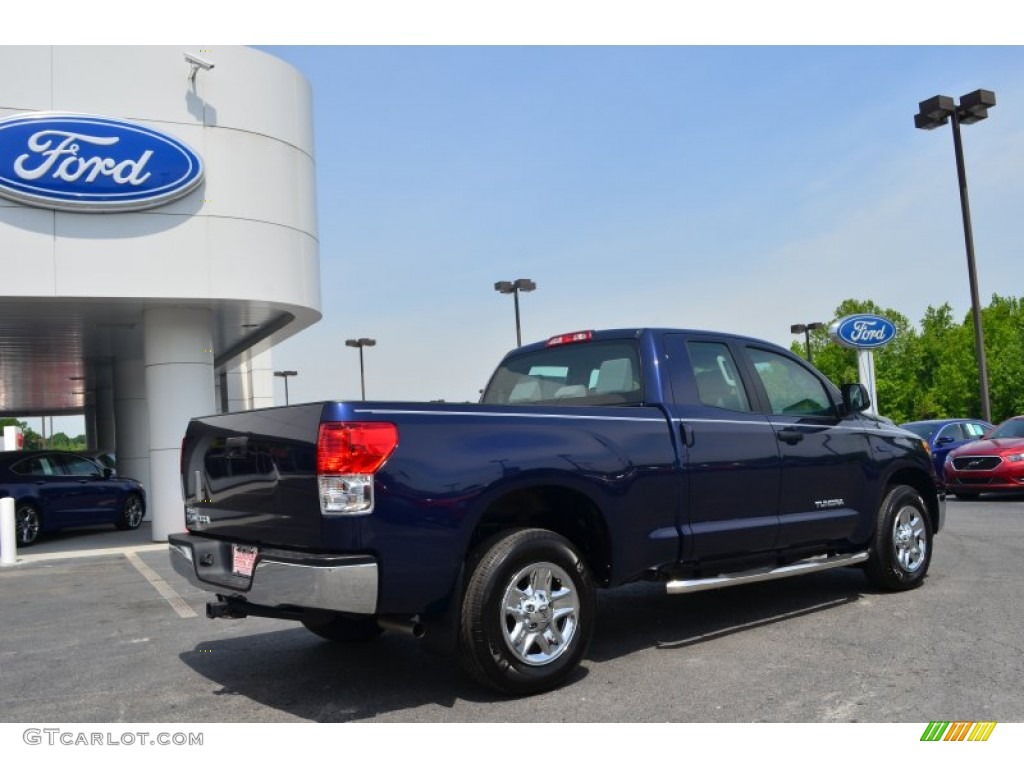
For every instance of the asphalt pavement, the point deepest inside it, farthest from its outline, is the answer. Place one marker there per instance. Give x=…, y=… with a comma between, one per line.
x=95, y=626
x=91, y=541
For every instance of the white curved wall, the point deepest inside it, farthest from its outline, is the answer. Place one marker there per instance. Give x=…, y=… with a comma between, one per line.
x=247, y=233
x=155, y=290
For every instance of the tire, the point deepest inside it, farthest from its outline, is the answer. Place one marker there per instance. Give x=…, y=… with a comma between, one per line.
x=132, y=512
x=527, y=613
x=966, y=496
x=343, y=629
x=902, y=547
x=27, y=524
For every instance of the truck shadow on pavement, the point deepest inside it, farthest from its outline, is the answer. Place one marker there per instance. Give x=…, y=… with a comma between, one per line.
x=642, y=615
x=293, y=671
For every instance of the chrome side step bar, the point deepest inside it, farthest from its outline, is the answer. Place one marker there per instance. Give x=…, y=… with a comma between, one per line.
x=813, y=565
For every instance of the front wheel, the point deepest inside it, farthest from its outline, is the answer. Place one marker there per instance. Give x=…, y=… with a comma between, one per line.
x=902, y=548
x=527, y=614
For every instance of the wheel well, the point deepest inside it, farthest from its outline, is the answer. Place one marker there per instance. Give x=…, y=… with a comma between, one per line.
x=924, y=485
x=566, y=512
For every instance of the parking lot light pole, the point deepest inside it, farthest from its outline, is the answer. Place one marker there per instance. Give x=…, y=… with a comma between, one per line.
x=806, y=331
x=507, y=286
x=360, y=343
x=284, y=375
x=932, y=113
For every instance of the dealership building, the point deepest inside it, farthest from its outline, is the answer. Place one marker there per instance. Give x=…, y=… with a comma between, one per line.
x=158, y=237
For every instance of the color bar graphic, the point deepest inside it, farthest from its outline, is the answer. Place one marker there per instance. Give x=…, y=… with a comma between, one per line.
x=958, y=731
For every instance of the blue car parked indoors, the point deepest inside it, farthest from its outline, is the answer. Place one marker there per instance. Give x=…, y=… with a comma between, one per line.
x=58, y=489
x=943, y=435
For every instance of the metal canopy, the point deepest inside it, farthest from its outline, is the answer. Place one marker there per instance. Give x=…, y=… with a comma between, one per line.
x=50, y=347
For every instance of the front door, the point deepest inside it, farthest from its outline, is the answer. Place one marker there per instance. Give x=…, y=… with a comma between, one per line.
x=825, y=458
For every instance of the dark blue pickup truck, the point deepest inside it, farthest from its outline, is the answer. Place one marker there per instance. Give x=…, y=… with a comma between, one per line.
x=699, y=460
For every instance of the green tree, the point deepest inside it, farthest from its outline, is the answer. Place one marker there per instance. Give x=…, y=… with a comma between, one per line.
x=1003, y=322
x=947, y=374
x=894, y=371
x=933, y=373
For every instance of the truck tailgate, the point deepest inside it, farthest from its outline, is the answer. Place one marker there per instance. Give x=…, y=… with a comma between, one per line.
x=251, y=476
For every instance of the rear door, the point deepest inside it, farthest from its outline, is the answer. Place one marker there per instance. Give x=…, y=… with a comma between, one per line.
x=731, y=462
x=50, y=485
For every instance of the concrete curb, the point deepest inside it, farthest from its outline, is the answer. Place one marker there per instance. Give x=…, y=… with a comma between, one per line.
x=75, y=554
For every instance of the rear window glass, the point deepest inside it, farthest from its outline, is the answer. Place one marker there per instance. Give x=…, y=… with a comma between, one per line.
x=587, y=373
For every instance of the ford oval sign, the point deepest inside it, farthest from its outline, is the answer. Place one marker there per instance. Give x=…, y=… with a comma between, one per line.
x=85, y=163
x=862, y=331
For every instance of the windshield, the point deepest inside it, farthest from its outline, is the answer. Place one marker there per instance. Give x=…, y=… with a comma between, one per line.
x=924, y=431
x=1011, y=428
x=585, y=373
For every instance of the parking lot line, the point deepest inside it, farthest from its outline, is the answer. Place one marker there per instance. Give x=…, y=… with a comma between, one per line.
x=166, y=590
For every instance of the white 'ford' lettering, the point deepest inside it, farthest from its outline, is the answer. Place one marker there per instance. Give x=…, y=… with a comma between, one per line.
x=63, y=159
x=864, y=330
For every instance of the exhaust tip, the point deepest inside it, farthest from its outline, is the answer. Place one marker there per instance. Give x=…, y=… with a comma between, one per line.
x=409, y=626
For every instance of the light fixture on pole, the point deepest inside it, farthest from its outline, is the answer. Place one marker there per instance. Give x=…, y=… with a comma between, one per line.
x=284, y=375
x=934, y=112
x=507, y=286
x=360, y=343
x=806, y=331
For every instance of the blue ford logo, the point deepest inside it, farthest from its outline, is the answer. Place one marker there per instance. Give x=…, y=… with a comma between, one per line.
x=84, y=163
x=862, y=331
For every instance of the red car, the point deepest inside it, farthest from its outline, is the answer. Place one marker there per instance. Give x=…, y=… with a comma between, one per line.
x=994, y=464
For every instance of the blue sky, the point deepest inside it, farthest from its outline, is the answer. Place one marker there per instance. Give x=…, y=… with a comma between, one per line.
x=697, y=184
x=731, y=188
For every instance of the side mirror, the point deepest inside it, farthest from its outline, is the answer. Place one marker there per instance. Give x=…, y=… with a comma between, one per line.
x=855, y=398
x=108, y=473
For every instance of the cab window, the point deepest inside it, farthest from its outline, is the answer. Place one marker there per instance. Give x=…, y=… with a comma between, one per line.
x=953, y=432
x=36, y=465
x=586, y=373
x=791, y=388
x=714, y=370
x=79, y=467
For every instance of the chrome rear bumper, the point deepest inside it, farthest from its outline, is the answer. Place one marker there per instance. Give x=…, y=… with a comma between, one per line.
x=280, y=579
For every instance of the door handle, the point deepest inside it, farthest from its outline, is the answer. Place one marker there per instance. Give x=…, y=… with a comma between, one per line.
x=687, y=432
x=790, y=436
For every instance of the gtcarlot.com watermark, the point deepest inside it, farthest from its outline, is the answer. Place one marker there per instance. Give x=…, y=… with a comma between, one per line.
x=61, y=737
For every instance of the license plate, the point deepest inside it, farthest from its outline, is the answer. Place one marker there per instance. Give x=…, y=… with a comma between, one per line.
x=243, y=559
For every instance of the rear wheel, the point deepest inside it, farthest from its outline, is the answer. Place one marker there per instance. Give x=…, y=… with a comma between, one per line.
x=27, y=524
x=132, y=512
x=342, y=629
x=902, y=548
x=528, y=612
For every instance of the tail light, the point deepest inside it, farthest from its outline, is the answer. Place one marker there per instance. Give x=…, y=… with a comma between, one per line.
x=348, y=453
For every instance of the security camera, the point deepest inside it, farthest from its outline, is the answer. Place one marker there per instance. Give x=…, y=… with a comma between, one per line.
x=197, y=62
